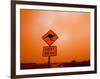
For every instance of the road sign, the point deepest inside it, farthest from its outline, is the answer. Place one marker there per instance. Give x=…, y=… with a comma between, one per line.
x=49, y=51
x=50, y=37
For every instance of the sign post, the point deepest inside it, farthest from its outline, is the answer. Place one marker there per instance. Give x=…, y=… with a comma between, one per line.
x=48, y=61
x=50, y=37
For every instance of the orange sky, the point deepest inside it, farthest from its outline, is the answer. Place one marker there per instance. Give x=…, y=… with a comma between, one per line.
x=72, y=29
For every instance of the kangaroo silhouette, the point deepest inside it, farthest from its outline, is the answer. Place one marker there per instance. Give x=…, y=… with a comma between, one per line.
x=50, y=36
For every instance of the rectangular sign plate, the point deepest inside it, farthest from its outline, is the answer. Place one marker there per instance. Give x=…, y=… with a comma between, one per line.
x=49, y=51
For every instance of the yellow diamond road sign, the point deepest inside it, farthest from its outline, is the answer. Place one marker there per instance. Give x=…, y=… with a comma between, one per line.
x=50, y=37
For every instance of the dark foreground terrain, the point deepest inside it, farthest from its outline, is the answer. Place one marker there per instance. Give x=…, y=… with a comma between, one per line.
x=54, y=65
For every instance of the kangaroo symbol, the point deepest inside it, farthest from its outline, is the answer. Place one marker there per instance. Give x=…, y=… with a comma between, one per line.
x=50, y=36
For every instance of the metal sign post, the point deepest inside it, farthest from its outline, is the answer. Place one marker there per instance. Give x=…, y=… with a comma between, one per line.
x=48, y=61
